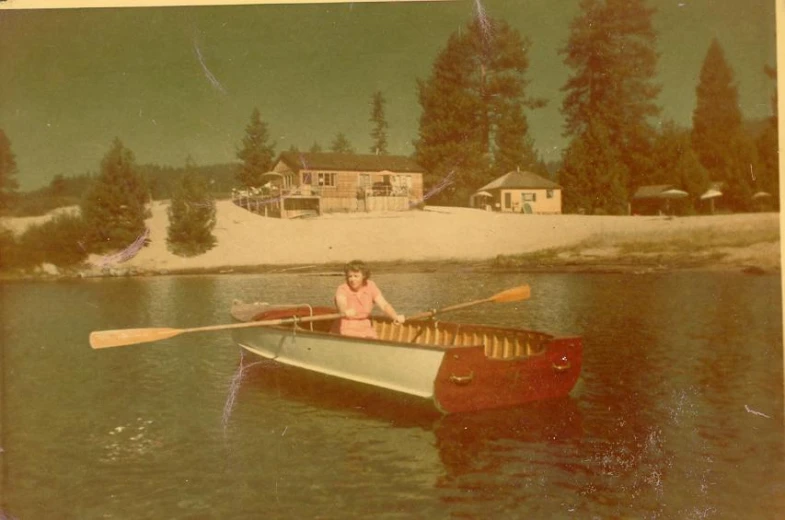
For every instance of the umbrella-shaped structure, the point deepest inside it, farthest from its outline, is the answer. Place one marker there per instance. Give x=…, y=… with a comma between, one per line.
x=713, y=192
x=673, y=193
x=655, y=199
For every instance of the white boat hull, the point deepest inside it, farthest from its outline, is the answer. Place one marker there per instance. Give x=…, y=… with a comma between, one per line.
x=402, y=368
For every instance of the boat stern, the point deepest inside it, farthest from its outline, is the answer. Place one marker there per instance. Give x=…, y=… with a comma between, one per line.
x=472, y=379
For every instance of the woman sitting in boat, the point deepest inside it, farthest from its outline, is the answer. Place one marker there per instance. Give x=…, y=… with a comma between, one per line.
x=355, y=300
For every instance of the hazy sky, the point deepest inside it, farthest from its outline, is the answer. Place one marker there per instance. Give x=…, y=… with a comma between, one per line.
x=174, y=81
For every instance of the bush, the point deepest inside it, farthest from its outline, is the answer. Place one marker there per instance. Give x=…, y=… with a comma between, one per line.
x=191, y=218
x=8, y=249
x=58, y=241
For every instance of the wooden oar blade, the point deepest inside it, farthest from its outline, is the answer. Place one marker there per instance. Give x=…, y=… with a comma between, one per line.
x=121, y=337
x=515, y=294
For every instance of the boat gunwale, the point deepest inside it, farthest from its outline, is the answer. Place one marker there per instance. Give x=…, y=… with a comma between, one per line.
x=546, y=337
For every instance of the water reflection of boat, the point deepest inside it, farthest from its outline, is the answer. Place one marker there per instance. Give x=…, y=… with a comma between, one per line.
x=553, y=420
x=468, y=444
x=456, y=367
x=464, y=439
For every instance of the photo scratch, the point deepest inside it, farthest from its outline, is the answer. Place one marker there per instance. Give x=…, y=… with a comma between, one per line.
x=212, y=79
x=753, y=412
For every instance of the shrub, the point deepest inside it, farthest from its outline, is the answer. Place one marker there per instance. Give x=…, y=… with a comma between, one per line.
x=191, y=218
x=58, y=241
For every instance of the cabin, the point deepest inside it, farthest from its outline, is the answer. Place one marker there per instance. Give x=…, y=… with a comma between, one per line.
x=308, y=184
x=519, y=192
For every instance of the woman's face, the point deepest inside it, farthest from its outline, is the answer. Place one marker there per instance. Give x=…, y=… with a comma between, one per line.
x=354, y=279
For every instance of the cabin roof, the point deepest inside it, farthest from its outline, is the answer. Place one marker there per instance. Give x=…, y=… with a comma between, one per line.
x=348, y=162
x=520, y=180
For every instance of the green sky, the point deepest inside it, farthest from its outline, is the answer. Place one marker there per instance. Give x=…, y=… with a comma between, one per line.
x=174, y=81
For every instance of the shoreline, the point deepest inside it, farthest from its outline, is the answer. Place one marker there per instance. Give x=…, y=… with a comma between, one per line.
x=406, y=267
x=446, y=239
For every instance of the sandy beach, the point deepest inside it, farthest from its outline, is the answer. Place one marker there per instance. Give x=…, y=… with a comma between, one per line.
x=444, y=235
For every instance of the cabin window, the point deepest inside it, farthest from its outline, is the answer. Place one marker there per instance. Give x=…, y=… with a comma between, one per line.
x=529, y=197
x=326, y=179
x=507, y=200
x=549, y=194
x=306, y=177
x=365, y=180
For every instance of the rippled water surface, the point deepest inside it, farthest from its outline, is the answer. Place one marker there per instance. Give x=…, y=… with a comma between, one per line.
x=678, y=413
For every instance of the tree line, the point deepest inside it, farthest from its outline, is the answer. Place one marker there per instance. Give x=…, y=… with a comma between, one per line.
x=473, y=127
x=114, y=204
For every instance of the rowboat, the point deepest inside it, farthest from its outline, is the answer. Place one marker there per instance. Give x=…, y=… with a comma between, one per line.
x=457, y=367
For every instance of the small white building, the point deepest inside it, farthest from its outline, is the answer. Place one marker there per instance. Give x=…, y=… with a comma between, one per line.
x=519, y=192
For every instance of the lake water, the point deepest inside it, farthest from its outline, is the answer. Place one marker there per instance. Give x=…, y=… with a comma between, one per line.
x=678, y=413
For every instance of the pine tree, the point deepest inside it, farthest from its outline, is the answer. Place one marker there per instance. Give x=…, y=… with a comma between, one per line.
x=676, y=163
x=8, y=171
x=256, y=153
x=341, y=144
x=473, y=126
x=114, y=208
x=612, y=52
x=379, y=130
x=717, y=134
x=592, y=174
x=315, y=148
x=191, y=215
x=767, y=146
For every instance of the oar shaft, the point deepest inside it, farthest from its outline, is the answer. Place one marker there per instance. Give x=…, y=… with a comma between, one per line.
x=428, y=314
x=124, y=337
x=263, y=323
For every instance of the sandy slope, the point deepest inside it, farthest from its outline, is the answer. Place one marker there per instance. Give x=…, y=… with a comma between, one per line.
x=436, y=233
x=439, y=233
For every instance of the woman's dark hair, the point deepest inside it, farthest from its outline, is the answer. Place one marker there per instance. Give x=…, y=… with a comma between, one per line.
x=357, y=265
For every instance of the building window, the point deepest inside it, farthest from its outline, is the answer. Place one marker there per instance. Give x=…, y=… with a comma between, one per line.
x=549, y=193
x=529, y=197
x=325, y=179
x=507, y=200
x=306, y=177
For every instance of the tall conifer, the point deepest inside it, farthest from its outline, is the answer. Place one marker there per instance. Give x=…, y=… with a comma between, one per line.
x=256, y=153
x=8, y=171
x=612, y=53
x=717, y=134
x=473, y=126
x=114, y=208
x=379, y=130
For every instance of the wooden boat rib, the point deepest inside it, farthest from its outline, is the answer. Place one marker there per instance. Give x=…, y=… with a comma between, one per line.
x=461, y=367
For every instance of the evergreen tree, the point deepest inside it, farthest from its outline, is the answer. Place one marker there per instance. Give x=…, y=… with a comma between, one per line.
x=592, y=174
x=58, y=186
x=473, y=126
x=191, y=215
x=612, y=52
x=256, y=153
x=315, y=148
x=676, y=163
x=341, y=144
x=114, y=208
x=767, y=146
x=379, y=130
x=717, y=134
x=8, y=171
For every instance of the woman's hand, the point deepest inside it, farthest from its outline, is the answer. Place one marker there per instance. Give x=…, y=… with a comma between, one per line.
x=399, y=319
x=350, y=313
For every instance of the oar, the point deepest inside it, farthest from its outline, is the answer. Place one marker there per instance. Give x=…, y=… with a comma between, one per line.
x=122, y=337
x=515, y=294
